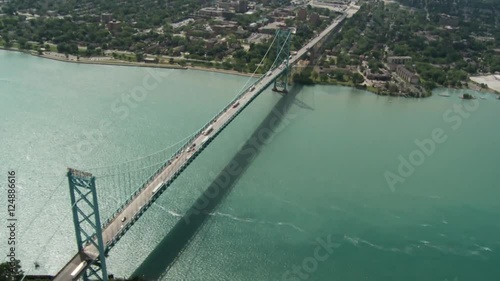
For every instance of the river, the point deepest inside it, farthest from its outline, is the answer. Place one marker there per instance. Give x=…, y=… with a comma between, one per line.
x=349, y=186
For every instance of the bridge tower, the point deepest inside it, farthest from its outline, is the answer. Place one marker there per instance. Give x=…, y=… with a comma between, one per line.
x=87, y=222
x=283, y=38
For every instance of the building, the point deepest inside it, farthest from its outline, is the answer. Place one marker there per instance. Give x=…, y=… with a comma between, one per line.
x=448, y=20
x=302, y=14
x=257, y=38
x=210, y=43
x=182, y=23
x=106, y=17
x=51, y=13
x=271, y=28
x=398, y=60
x=284, y=12
x=211, y=12
x=224, y=4
x=242, y=6
x=151, y=60
x=114, y=26
x=407, y=75
x=224, y=26
x=383, y=76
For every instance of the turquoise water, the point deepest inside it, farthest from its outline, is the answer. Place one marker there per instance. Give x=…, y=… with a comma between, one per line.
x=320, y=176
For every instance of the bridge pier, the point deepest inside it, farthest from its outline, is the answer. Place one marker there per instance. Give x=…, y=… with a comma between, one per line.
x=87, y=222
x=283, y=38
x=283, y=91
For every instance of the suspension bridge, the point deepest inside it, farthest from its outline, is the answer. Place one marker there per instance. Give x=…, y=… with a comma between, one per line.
x=137, y=184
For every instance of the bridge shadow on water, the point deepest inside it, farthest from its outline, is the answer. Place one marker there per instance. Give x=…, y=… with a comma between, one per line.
x=177, y=240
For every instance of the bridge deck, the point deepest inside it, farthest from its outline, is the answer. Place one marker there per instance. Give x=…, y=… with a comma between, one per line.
x=116, y=228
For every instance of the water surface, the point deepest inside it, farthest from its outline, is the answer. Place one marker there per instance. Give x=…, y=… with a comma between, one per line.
x=322, y=176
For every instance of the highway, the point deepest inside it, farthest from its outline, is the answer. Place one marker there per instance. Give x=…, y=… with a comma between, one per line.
x=148, y=194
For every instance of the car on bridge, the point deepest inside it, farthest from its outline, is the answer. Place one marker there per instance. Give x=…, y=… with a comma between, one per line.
x=205, y=140
x=78, y=269
x=208, y=130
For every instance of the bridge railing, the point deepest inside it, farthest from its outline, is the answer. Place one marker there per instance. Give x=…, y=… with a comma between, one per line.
x=151, y=178
x=177, y=153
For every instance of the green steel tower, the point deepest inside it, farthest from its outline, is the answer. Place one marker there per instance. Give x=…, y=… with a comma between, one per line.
x=87, y=222
x=283, y=39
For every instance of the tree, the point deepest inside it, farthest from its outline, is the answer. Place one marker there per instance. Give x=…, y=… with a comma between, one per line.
x=22, y=43
x=301, y=78
x=339, y=75
x=393, y=88
x=467, y=96
x=358, y=78
x=139, y=56
x=9, y=9
x=315, y=75
x=10, y=271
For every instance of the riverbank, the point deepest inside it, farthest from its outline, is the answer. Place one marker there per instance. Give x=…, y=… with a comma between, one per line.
x=111, y=61
x=473, y=83
x=224, y=71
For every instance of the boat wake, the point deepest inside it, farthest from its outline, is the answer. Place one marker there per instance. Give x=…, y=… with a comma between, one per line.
x=464, y=251
x=169, y=211
x=249, y=220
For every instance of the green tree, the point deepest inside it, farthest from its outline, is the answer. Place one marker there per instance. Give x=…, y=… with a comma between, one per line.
x=339, y=75
x=22, y=43
x=358, y=78
x=6, y=272
x=393, y=88
x=139, y=56
x=315, y=75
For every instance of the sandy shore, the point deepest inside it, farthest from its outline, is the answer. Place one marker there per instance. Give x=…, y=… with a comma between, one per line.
x=493, y=81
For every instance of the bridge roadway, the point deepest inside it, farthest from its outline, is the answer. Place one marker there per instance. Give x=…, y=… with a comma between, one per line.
x=145, y=197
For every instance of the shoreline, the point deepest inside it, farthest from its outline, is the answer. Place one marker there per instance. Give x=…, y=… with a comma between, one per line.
x=223, y=71
x=491, y=80
x=132, y=64
x=113, y=62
